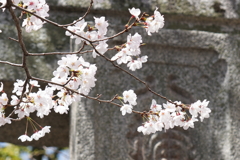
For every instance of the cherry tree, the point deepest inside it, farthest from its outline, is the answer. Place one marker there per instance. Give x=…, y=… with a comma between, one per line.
x=75, y=76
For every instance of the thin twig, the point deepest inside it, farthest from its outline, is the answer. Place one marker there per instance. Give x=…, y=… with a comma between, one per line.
x=86, y=96
x=13, y=39
x=135, y=77
x=60, y=53
x=86, y=13
x=51, y=22
x=21, y=42
x=10, y=63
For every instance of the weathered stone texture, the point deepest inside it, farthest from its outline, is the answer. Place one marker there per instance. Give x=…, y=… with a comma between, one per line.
x=195, y=68
x=183, y=65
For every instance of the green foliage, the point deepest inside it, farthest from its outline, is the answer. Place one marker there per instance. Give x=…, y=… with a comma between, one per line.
x=12, y=152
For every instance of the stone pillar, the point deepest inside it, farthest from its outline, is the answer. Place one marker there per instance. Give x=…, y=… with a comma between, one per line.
x=184, y=64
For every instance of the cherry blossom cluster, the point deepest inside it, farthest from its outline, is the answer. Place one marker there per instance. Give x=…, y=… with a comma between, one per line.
x=132, y=48
x=35, y=136
x=169, y=115
x=129, y=51
x=152, y=23
x=40, y=101
x=93, y=33
x=39, y=7
x=166, y=116
x=73, y=72
x=130, y=97
x=3, y=103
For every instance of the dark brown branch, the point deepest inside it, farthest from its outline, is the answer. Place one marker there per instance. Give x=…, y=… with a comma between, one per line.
x=20, y=41
x=86, y=96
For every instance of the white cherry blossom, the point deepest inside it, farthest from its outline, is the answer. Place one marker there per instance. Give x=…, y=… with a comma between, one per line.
x=204, y=110
x=24, y=138
x=1, y=88
x=135, y=12
x=126, y=108
x=154, y=23
x=36, y=135
x=169, y=107
x=155, y=107
x=130, y=96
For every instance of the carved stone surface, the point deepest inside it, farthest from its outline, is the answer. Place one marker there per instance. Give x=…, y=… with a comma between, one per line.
x=183, y=65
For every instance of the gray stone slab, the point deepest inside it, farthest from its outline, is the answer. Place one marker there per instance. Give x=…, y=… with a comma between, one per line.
x=183, y=65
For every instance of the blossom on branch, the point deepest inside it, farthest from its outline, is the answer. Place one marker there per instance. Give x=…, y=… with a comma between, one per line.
x=154, y=23
x=126, y=108
x=24, y=138
x=130, y=52
x=135, y=12
x=35, y=136
x=130, y=97
x=171, y=115
x=39, y=7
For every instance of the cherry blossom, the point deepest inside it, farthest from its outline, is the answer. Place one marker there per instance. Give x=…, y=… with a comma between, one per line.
x=190, y=123
x=169, y=107
x=18, y=87
x=172, y=115
x=154, y=23
x=126, y=108
x=24, y=138
x=204, y=110
x=45, y=130
x=135, y=12
x=3, y=119
x=132, y=51
x=77, y=28
x=155, y=107
x=14, y=100
x=101, y=48
x=3, y=99
x=39, y=7
x=36, y=135
x=130, y=97
x=101, y=25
